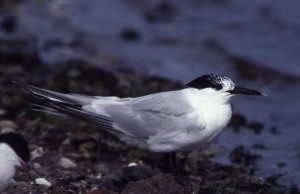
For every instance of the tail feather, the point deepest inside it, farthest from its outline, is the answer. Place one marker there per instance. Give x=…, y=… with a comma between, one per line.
x=67, y=104
x=56, y=96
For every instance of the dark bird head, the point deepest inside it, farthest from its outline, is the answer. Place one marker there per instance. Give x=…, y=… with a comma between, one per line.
x=222, y=84
x=19, y=145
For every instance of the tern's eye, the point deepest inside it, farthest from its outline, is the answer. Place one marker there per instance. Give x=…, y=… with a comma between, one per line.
x=217, y=86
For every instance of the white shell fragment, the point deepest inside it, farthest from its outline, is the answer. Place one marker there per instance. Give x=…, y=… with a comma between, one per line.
x=43, y=181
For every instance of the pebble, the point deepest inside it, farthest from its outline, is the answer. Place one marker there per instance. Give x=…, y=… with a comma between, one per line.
x=43, y=181
x=7, y=130
x=101, y=168
x=66, y=163
x=132, y=164
x=2, y=112
x=38, y=152
x=36, y=165
x=7, y=124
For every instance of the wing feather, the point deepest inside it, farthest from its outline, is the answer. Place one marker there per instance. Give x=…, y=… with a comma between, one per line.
x=68, y=104
x=153, y=115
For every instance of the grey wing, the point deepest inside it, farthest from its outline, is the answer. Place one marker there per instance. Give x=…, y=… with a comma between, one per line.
x=151, y=115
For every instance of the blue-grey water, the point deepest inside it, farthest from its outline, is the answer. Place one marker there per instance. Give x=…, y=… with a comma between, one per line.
x=181, y=40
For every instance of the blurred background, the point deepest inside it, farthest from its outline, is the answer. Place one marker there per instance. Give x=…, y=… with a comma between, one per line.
x=256, y=43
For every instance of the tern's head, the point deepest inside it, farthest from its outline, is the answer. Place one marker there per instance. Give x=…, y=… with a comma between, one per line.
x=15, y=149
x=215, y=84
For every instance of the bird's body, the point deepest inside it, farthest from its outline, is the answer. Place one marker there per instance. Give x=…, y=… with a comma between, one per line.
x=171, y=121
x=166, y=121
x=13, y=152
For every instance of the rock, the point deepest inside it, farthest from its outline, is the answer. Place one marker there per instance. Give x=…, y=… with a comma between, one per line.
x=7, y=124
x=100, y=168
x=7, y=130
x=132, y=164
x=130, y=35
x=58, y=190
x=160, y=184
x=66, y=163
x=36, y=165
x=119, y=179
x=38, y=152
x=2, y=112
x=240, y=155
x=8, y=24
x=256, y=127
x=237, y=121
x=88, y=146
x=43, y=181
x=101, y=191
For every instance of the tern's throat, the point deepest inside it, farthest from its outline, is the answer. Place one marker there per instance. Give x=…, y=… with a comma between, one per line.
x=213, y=107
x=208, y=96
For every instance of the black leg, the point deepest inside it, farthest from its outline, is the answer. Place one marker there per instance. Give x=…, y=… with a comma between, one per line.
x=172, y=162
x=171, y=166
x=169, y=163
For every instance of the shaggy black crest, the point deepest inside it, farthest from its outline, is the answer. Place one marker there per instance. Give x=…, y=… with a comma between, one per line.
x=17, y=143
x=208, y=81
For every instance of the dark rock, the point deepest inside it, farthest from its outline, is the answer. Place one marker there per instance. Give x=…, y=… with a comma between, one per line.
x=118, y=180
x=58, y=190
x=130, y=35
x=160, y=184
x=162, y=12
x=274, y=178
x=243, y=157
x=292, y=189
x=255, y=127
x=101, y=190
x=135, y=173
x=250, y=70
x=274, y=130
x=9, y=24
x=237, y=121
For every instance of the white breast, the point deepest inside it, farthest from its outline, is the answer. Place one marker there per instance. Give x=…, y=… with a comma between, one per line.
x=214, y=111
x=7, y=165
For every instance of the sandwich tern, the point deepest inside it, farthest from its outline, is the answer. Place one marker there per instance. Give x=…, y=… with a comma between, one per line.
x=167, y=122
x=14, y=152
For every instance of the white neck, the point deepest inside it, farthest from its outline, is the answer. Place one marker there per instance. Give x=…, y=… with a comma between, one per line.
x=209, y=95
x=213, y=106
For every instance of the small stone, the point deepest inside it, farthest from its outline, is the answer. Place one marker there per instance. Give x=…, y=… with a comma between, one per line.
x=58, y=190
x=255, y=127
x=8, y=24
x=130, y=35
x=36, y=165
x=38, y=152
x=42, y=181
x=7, y=124
x=100, y=168
x=66, y=163
x=281, y=164
x=2, y=112
x=88, y=146
x=7, y=130
x=132, y=164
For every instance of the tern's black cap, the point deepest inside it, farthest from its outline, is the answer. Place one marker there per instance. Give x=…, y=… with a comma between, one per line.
x=209, y=81
x=17, y=143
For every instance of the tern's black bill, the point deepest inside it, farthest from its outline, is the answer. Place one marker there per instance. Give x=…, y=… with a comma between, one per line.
x=240, y=90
